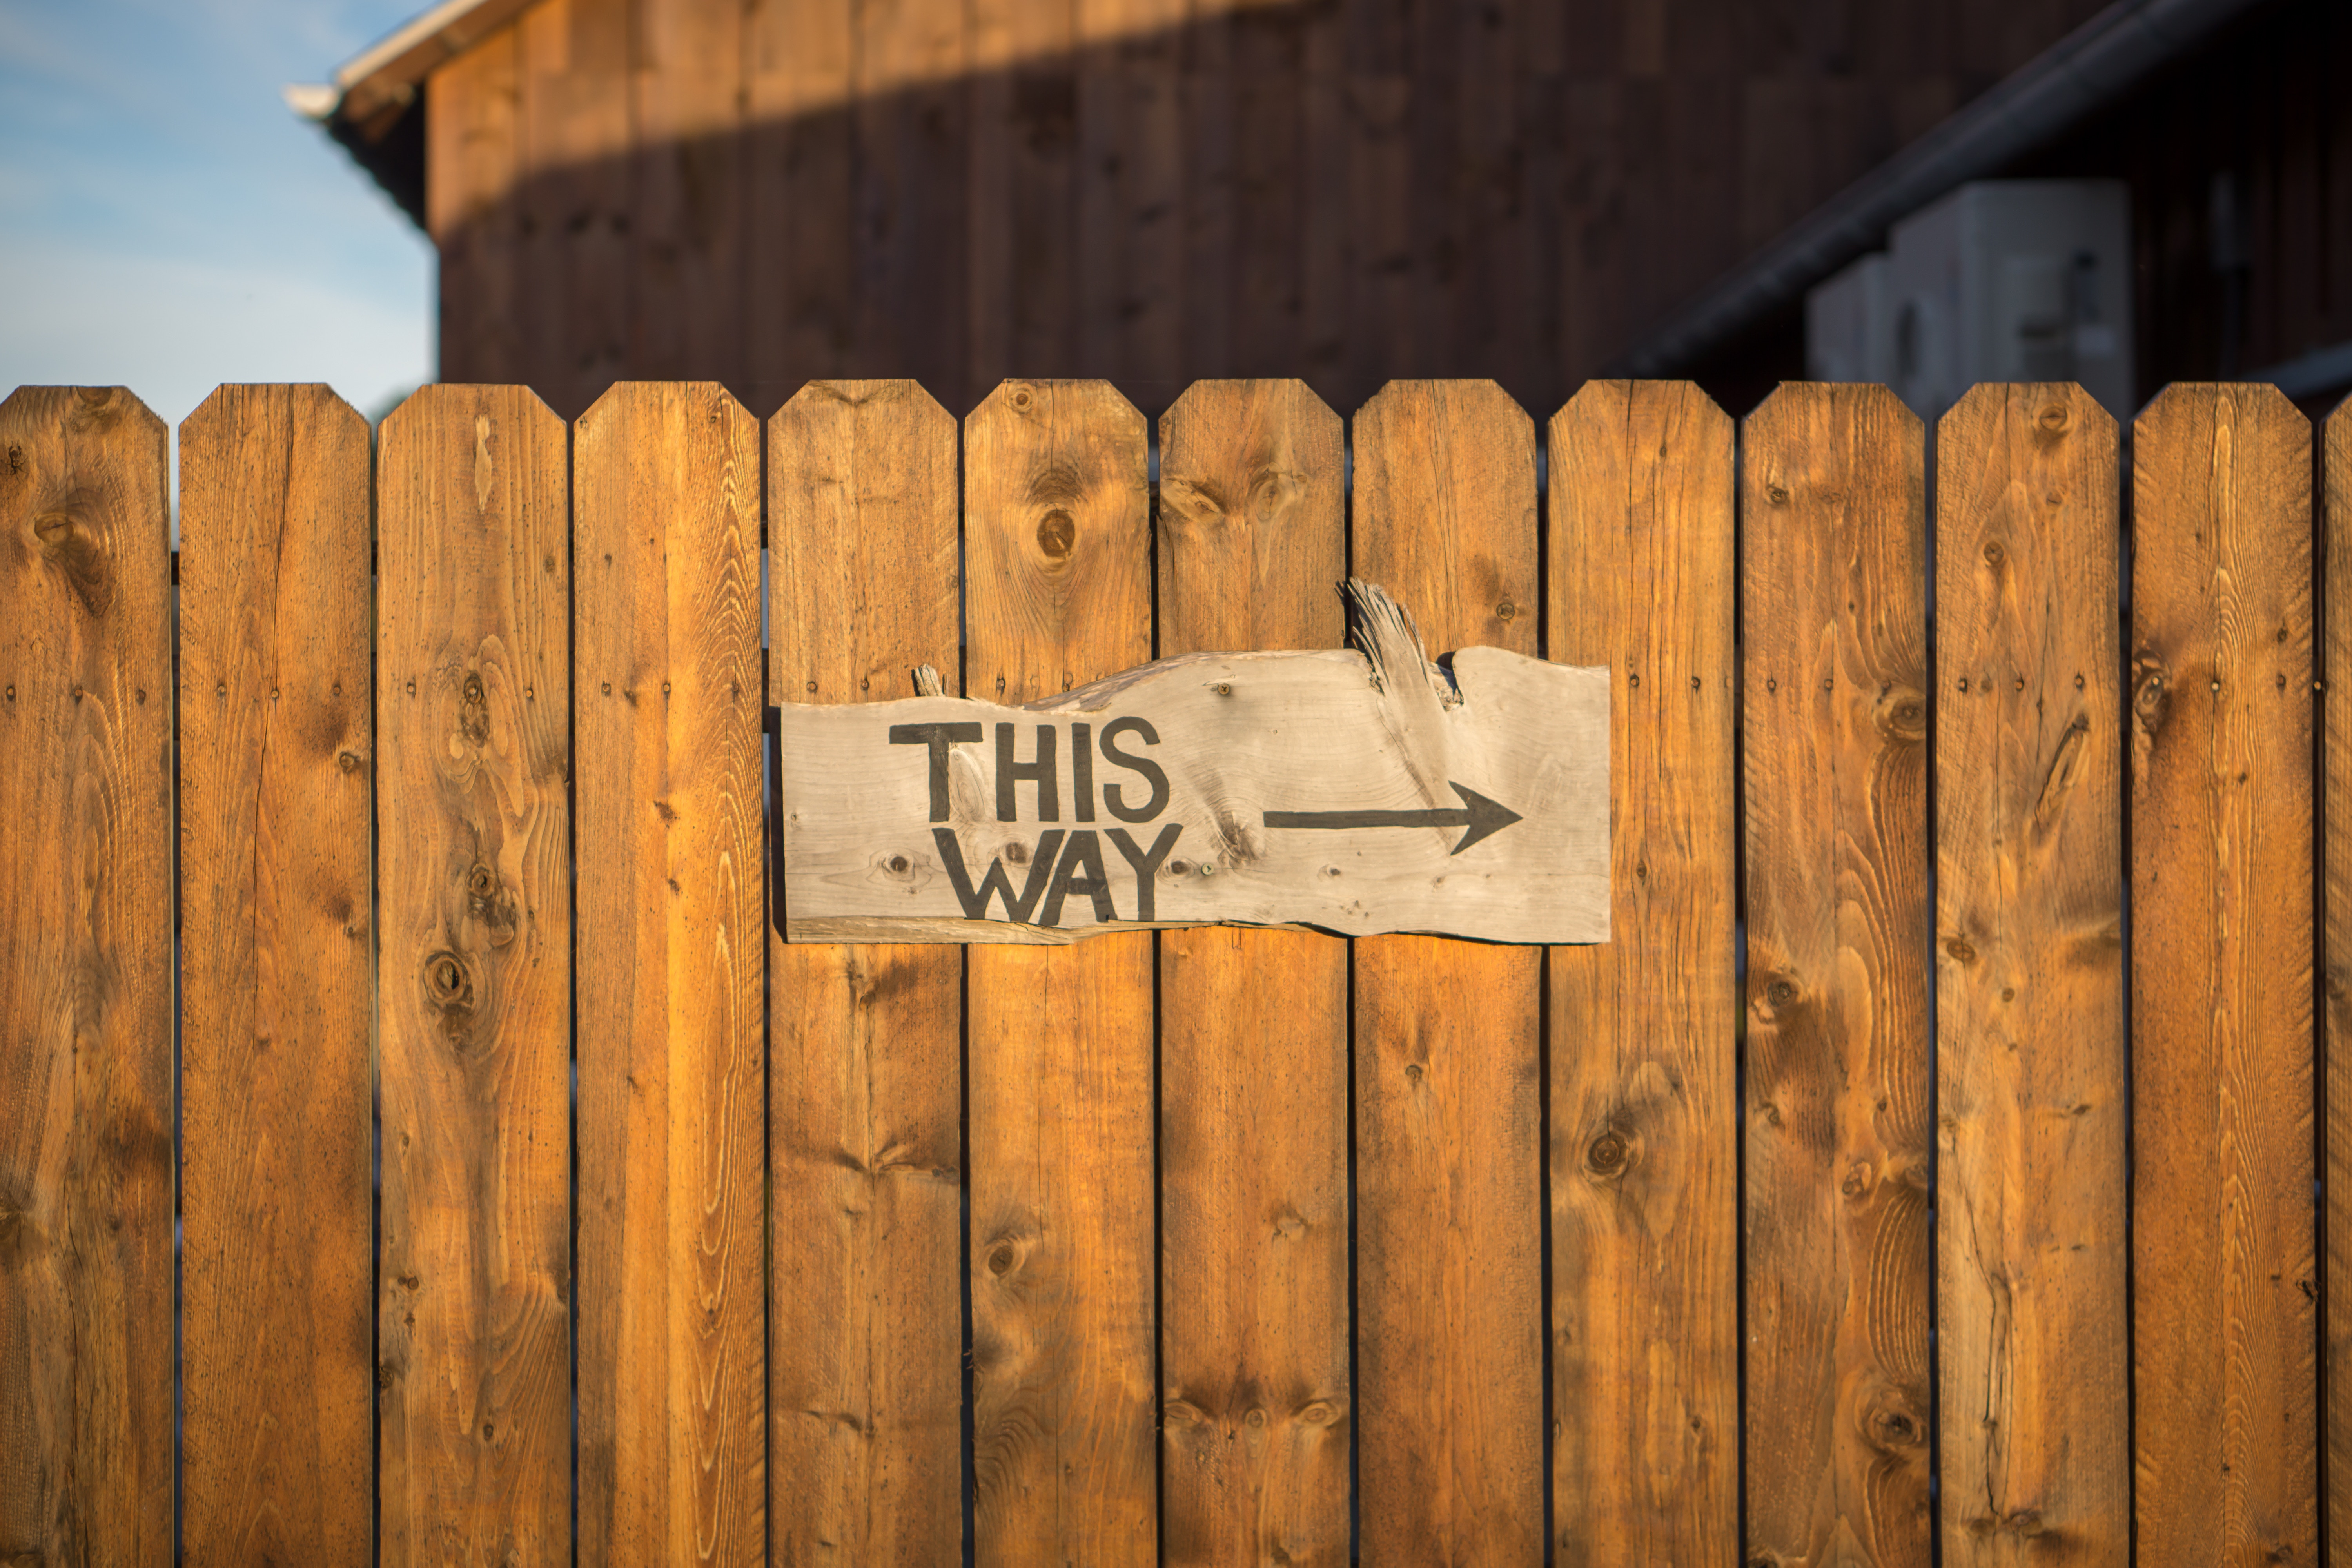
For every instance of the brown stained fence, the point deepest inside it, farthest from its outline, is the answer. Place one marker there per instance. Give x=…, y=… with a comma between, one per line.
x=538, y=1203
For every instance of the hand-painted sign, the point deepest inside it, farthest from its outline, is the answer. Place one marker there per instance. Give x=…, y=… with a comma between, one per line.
x=1355, y=791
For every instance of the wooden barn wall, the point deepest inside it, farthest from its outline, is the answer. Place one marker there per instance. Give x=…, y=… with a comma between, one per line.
x=762, y=192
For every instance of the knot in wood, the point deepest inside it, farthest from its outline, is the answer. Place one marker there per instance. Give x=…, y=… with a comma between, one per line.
x=1506, y=611
x=1056, y=534
x=474, y=690
x=447, y=983
x=1993, y=552
x=1780, y=993
x=1901, y=715
x=1001, y=1258
x=1891, y=1427
x=1608, y=1156
x=2053, y=419
x=1961, y=950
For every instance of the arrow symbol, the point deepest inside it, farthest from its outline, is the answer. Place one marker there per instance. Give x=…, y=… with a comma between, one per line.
x=1480, y=816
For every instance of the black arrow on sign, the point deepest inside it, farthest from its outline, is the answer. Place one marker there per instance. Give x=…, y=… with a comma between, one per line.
x=1480, y=816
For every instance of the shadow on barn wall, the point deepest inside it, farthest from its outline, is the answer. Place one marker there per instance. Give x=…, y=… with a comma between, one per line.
x=1343, y=190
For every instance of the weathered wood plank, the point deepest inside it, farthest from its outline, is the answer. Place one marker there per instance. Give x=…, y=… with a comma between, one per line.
x=2336, y=490
x=1834, y=579
x=474, y=158
x=1128, y=202
x=85, y=1176
x=1644, y=1208
x=687, y=84
x=2030, y=1049
x=474, y=1021
x=2225, y=1284
x=910, y=119
x=1024, y=151
x=1254, y=1331
x=1056, y=544
x=865, y=1312
x=673, y=931
x=572, y=197
x=800, y=233
x=278, y=1116
x=1449, y=1283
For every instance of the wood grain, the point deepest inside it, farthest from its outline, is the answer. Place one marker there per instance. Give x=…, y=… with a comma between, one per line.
x=1252, y=1165
x=473, y=1019
x=866, y=1314
x=1449, y=1282
x=2029, y=1030
x=1839, y=927
x=86, y=1165
x=2335, y=804
x=1057, y=552
x=276, y=737
x=2225, y=1283
x=672, y=937
x=1644, y=1206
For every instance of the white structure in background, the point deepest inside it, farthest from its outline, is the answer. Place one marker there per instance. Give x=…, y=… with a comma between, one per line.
x=2001, y=280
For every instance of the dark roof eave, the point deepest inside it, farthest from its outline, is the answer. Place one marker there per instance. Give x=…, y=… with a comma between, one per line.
x=375, y=109
x=2092, y=66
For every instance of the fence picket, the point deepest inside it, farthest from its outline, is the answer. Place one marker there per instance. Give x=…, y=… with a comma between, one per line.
x=1254, y=1036
x=1449, y=1295
x=2029, y=1029
x=2336, y=976
x=1644, y=1206
x=1833, y=580
x=865, y=1100
x=276, y=810
x=1057, y=552
x=2335, y=979
x=673, y=930
x=86, y=1166
x=2225, y=1280
x=472, y=684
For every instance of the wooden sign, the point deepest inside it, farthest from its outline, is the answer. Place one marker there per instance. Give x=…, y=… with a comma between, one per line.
x=1358, y=791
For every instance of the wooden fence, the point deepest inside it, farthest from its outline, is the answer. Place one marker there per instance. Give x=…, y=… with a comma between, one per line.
x=1970, y=1209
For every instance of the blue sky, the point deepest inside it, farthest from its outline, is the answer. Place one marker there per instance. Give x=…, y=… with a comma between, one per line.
x=170, y=224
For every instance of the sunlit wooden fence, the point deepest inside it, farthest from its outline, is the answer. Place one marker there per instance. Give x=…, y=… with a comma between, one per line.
x=386, y=905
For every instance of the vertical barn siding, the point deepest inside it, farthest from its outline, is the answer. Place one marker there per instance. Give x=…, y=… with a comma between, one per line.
x=1151, y=190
